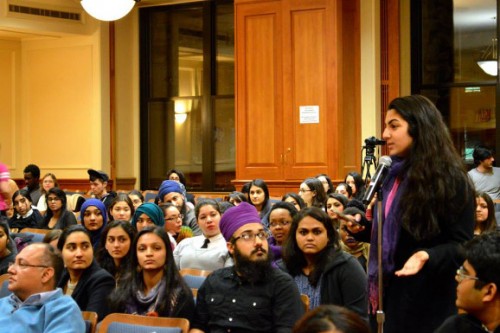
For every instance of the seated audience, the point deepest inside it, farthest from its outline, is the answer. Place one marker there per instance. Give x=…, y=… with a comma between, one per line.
x=94, y=217
x=57, y=215
x=173, y=192
x=148, y=215
x=294, y=199
x=322, y=271
x=173, y=221
x=345, y=190
x=82, y=278
x=357, y=184
x=250, y=296
x=178, y=176
x=207, y=251
x=32, y=182
x=236, y=198
x=113, y=253
x=98, y=186
x=335, y=203
x=312, y=192
x=36, y=305
x=136, y=197
x=326, y=182
x=349, y=244
x=121, y=208
x=48, y=181
x=478, y=282
x=259, y=198
x=331, y=319
x=280, y=221
x=6, y=254
x=52, y=238
x=156, y=287
x=24, y=215
x=485, y=214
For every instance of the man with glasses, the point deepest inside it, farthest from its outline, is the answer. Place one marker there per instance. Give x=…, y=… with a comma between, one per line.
x=478, y=282
x=36, y=305
x=251, y=296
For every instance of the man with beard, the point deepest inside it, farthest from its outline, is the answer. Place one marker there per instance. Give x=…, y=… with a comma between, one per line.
x=251, y=296
x=175, y=193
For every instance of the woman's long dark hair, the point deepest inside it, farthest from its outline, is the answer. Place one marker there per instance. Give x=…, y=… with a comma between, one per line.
x=491, y=222
x=359, y=182
x=293, y=256
x=128, y=289
x=314, y=184
x=61, y=195
x=437, y=181
x=262, y=184
x=104, y=258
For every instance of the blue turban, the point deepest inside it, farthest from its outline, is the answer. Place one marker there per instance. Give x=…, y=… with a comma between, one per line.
x=169, y=186
x=152, y=210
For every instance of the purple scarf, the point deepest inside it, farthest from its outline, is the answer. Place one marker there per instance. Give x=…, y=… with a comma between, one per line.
x=390, y=230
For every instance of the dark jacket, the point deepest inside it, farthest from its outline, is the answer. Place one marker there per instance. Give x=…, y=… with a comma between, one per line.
x=343, y=283
x=66, y=219
x=92, y=290
x=31, y=221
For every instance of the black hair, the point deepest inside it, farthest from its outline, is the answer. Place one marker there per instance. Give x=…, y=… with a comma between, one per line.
x=138, y=193
x=316, y=186
x=182, y=177
x=331, y=188
x=348, y=188
x=68, y=231
x=24, y=193
x=33, y=169
x=481, y=153
x=206, y=202
x=359, y=182
x=483, y=253
x=491, y=222
x=326, y=318
x=261, y=184
x=295, y=197
x=238, y=196
x=121, y=197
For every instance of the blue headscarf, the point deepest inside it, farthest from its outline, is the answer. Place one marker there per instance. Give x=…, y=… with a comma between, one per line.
x=152, y=210
x=95, y=234
x=169, y=186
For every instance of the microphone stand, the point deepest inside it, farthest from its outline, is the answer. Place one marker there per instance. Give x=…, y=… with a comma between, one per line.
x=380, y=310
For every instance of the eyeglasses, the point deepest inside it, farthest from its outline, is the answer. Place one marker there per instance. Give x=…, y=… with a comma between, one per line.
x=23, y=265
x=53, y=199
x=462, y=275
x=174, y=218
x=250, y=236
x=279, y=223
x=302, y=190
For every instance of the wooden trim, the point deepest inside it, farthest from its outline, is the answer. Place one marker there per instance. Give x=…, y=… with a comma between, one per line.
x=112, y=103
x=82, y=185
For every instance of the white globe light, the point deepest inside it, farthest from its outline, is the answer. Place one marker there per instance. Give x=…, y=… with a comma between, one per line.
x=108, y=10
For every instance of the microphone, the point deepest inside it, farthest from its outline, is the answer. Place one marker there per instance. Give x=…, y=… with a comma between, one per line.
x=378, y=179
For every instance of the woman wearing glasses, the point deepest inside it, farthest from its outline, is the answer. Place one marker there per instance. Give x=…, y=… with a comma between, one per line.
x=322, y=271
x=280, y=221
x=209, y=250
x=48, y=181
x=173, y=221
x=57, y=215
x=155, y=286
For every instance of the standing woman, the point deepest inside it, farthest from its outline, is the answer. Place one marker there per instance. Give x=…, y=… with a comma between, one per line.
x=355, y=181
x=48, y=181
x=57, y=216
x=94, y=216
x=322, y=271
x=312, y=192
x=259, y=198
x=121, y=208
x=209, y=250
x=82, y=278
x=428, y=204
x=114, y=253
x=155, y=286
x=485, y=214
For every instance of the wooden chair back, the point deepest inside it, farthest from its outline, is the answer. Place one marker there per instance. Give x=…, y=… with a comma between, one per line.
x=4, y=284
x=194, y=272
x=135, y=323
x=90, y=318
x=35, y=231
x=305, y=299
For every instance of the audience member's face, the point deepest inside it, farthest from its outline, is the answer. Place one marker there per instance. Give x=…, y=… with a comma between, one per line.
x=333, y=206
x=48, y=183
x=342, y=190
x=293, y=202
x=306, y=194
x=54, y=202
x=117, y=243
x=176, y=198
x=175, y=177
x=173, y=220
x=347, y=239
x=487, y=163
x=21, y=204
x=27, y=272
x=257, y=195
x=254, y=250
x=350, y=181
x=311, y=236
x=98, y=187
x=92, y=218
x=143, y=221
x=30, y=181
x=468, y=297
x=481, y=210
x=4, y=240
x=280, y=221
x=324, y=182
x=77, y=251
x=121, y=211
x=151, y=252
x=136, y=201
x=396, y=134
x=208, y=220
